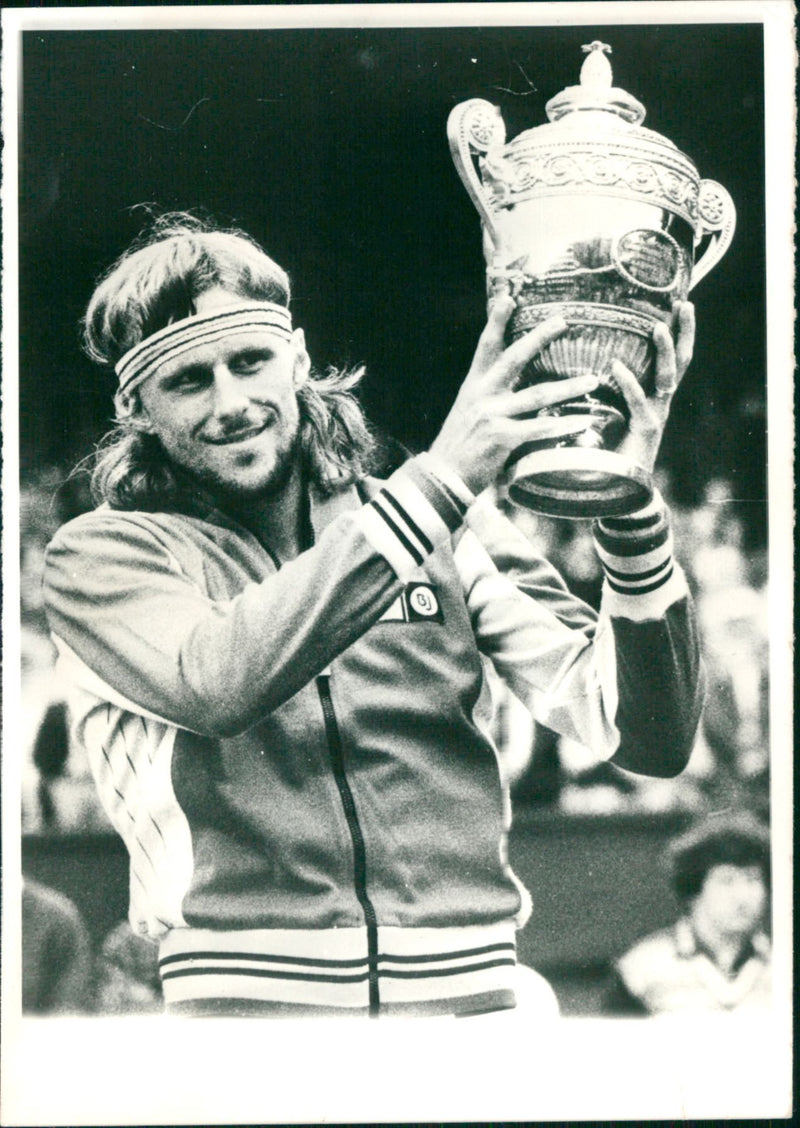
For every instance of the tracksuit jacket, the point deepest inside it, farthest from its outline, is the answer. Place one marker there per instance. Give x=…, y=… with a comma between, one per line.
x=297, y=754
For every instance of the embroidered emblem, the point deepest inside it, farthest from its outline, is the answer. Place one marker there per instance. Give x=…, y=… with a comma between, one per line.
x=417, y=603
x=422, y=603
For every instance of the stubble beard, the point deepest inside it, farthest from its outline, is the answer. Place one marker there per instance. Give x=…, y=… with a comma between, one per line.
x=228, y=493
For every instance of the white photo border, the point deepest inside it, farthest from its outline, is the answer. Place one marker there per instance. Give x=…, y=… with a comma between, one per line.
x=137, y=1071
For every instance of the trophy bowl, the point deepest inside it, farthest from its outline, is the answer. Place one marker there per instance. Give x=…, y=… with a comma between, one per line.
x=599, y=220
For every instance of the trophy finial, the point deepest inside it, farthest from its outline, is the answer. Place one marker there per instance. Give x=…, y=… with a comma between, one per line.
x=596, y=69
x=596, y=91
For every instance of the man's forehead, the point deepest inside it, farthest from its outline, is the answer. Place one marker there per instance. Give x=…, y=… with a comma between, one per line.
x=206, y=327
x=204, y=354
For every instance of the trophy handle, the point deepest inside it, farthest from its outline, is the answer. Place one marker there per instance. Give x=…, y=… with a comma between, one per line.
x=716, y=213
x=473, y=128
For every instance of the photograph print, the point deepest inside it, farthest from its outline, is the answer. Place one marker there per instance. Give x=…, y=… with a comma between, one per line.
x=397, y=435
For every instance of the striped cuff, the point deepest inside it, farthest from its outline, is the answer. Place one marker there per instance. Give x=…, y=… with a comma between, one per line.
x=412, y=513
x=636, y=553
x=447, y=477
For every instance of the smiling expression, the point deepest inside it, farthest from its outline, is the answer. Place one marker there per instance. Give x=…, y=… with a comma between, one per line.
x=227, y=411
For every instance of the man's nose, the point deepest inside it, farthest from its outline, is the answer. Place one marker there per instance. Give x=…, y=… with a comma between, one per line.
x=230, y=397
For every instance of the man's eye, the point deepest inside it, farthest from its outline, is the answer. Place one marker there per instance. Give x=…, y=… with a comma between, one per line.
x=248, y=361
x=186, y=381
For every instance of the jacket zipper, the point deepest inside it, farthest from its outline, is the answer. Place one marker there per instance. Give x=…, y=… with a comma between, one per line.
x=356, y=836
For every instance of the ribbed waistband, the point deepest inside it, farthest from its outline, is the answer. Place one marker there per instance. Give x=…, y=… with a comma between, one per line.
x=419, y=970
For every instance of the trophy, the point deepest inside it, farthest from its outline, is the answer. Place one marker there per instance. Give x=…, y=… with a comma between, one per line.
x=607, y=223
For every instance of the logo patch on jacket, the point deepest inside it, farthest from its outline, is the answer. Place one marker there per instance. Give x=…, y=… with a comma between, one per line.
x=416, y=603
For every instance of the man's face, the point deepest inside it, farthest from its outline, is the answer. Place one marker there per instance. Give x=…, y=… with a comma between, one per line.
x=733, y=898
x=227, y=411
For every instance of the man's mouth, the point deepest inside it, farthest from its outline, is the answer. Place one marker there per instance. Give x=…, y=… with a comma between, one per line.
x=240, y=435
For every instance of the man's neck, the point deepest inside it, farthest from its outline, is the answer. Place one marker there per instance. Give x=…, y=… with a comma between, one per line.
x=281, y=521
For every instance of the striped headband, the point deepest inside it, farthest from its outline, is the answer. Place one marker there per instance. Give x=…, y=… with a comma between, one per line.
x=144, y=359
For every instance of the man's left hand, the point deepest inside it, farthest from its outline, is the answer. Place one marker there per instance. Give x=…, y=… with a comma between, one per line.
x=648, y=414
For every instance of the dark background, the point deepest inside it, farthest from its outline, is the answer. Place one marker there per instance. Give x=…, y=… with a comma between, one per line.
x=329, y=147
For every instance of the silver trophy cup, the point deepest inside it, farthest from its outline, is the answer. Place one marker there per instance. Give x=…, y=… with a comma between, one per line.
x=593, y=217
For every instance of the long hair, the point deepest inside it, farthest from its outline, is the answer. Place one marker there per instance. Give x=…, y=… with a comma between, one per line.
x=155, y=282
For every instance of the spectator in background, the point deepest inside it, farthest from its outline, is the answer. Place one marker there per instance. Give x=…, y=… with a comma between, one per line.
x=58, y=792
x=716, y=957
x=128, y=981
x=735, y=724
x=716, y=529
x=56, y=954
x=37, y=655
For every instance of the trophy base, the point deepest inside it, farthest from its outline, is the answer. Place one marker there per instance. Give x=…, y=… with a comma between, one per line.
x=579, y=483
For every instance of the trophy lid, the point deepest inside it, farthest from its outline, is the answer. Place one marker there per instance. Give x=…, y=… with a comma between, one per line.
x=596, y=91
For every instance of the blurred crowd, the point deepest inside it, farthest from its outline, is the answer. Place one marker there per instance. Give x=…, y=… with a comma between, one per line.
x=730, y=763
x=58, y=793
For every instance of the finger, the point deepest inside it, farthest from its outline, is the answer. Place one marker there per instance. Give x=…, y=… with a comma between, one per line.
x=491, y=341
x=666, y=369
x=638, y=405
x=545, y=395
x=525, y=348
x=684, y=337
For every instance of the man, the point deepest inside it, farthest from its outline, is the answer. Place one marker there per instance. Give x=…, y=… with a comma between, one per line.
x=717, y=956
x=276, y=661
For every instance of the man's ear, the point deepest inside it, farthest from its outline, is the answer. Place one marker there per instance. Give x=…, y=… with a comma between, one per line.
x=302, y=362
x=132, y=413
x=141, y=422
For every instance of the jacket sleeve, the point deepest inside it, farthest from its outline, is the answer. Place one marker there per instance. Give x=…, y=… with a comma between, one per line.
x=660, y=676
x=152, y=639
x=626, y=682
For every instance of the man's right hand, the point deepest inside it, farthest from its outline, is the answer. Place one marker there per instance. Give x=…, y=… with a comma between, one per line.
x=485, y=424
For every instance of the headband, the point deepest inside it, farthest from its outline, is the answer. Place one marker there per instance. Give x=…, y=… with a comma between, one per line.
x=144, y=359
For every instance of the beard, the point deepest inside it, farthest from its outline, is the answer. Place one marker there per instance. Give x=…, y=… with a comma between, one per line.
x=226, y=493
x=269, y=488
